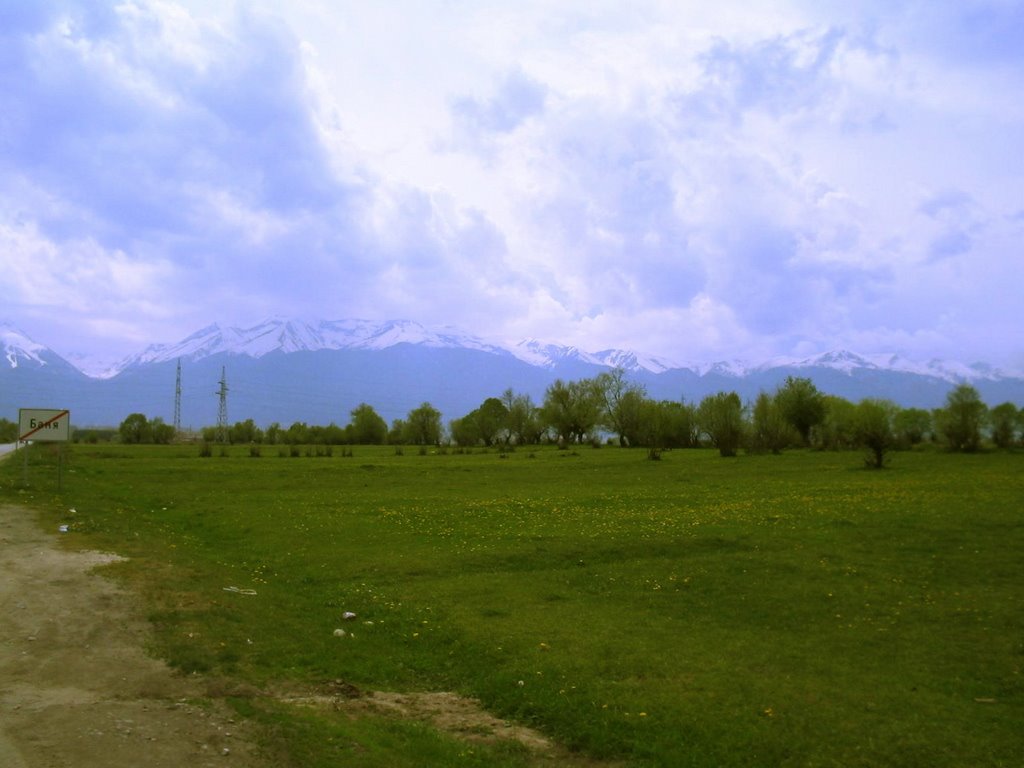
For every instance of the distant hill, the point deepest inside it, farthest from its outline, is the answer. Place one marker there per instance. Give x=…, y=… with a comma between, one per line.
x=287, y=370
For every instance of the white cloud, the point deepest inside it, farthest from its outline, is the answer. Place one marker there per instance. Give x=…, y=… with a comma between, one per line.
x=79, y=275
x=704, y=180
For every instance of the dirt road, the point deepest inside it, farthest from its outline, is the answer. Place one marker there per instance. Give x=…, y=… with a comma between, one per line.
x=76, y=688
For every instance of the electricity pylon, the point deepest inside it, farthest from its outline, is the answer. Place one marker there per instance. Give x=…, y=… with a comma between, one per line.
x=222, y=411
x=177, y=402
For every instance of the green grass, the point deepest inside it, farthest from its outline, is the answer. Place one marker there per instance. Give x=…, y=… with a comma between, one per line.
x=792, y=610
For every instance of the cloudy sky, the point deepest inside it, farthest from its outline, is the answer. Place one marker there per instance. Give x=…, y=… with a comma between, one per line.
x=691, y=179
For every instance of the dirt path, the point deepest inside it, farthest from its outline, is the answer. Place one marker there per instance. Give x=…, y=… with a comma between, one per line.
x=76, y=688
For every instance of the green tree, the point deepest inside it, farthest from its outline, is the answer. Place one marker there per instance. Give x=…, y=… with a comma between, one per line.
x=721, y=419
x=872, y=427
x=297, y=433
x=464, y=431
x=8, y=431
x=397, y=432
x=423, y=426
x=572, y=409
x=135, y=429
x=652, y=428
x=665, y=424
x=367, y=426
x=1004, y=420
x=683, y=428
x=769, y=429
x=912, y=426
x=837, y=431
x=635, y=412
x=160, y=432
x=961, y=421
x=802, y=405
x=522, y=420
x=332, y=434
x=620, y=403
x=491, y=418
x=245, y=432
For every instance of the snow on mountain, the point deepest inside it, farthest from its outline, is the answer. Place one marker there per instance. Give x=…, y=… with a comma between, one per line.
x=736, y=369
x=280, y=334
x=17, y=348
x=842, y=360
x=362, y=334
x=633, y=361
x=848, y=362
x=545, y=355
x=94, y=366
x=287, y=335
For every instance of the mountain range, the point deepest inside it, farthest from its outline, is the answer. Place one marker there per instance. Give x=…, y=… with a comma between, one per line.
x=317, y=371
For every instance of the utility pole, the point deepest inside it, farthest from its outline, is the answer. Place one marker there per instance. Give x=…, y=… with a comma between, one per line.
x=177, y=402
x=222, y=411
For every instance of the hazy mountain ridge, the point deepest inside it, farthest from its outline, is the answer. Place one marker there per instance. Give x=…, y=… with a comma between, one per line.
x=282, y=334
x=289, y=335
x=292, y=370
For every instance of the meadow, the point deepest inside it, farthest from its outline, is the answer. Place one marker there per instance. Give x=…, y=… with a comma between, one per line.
x=792, y=610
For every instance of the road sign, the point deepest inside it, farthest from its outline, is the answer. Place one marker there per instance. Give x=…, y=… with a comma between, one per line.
x=44, y=424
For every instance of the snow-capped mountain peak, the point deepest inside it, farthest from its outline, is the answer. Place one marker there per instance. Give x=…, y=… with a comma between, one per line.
x=20, y=351
x=288, y=335
x=17, y=348
x=841, y=360
x=546, y=355
x=633, y=361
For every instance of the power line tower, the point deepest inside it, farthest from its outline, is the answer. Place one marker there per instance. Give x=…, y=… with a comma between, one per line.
x=222, y=411
x=177, y=402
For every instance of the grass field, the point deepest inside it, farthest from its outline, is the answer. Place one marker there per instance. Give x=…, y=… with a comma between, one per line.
x=792, y=610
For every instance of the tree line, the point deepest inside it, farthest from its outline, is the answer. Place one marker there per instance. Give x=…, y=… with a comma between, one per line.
x=611, y=408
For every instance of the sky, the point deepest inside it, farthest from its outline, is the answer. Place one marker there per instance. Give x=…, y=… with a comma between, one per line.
x=701, y=181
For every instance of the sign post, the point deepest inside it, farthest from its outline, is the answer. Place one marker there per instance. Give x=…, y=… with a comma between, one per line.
x=45, y=425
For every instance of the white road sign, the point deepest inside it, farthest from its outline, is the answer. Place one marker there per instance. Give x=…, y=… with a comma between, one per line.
x=44, y=424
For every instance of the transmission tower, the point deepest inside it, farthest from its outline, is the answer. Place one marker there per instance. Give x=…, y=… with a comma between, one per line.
x=177, y=402
x=222, y=411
